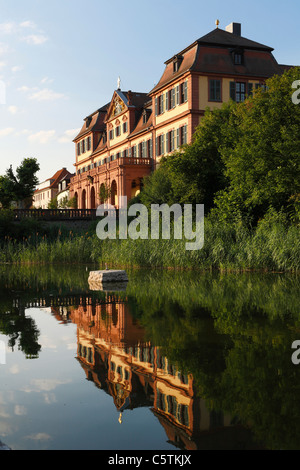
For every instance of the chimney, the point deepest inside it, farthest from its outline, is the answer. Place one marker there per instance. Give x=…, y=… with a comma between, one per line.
x=234, y=28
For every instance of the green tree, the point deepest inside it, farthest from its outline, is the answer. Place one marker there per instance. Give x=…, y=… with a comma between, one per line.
x=19, y=186
x=7, y=194
x=104, y=193
x=263, y=167
x=53, y=204
x=195, y=172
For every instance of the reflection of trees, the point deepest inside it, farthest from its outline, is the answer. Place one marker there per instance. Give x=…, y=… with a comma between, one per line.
x=232, y=332
x=236, y=342
x=21, y=331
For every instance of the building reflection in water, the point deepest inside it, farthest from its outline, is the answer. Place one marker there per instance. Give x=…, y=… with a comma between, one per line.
x=117, y=358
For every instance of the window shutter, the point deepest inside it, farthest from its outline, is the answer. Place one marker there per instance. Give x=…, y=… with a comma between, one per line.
x=178, y=137
x=167, y=101
x=151, y=148
x=250, y=89
x=232, y=91
x=177, y=95
x=167, y=142
x=162, y=144
x=156, y=106
x=185, y=91
x=156, y=146
x=162, y=103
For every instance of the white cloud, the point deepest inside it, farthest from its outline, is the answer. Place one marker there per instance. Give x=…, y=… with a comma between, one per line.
x=2, y=64
x=35, y=39
x=41, y=137
x=46, y=95
x=13, y=109
x=28, y=24
x=4, y=49
x=68, y=136
x=46, y=80
x=6, y=131
x=16, y=68
x=41, y=436
x=8, y=27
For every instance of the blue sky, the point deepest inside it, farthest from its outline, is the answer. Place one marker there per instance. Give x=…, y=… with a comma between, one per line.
x=60, y=60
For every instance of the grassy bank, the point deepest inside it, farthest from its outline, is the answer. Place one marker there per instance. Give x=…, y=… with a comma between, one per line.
x=274, y=246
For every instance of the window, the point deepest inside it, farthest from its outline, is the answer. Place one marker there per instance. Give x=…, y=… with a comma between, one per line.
x=88, y=143
x=159, y=105
x=149, y=148
x=133, y=151
x=145, y=117
x=214, y=90
x=78, y=149
x=177, y=102
x=125, y=127
x=160, y=145
x=111, y=134
x=184, y=92
x=118, y=131
x=238, y=58
x=172, y=98
x=238, y=91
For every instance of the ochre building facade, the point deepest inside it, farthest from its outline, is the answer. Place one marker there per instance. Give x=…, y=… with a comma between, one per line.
x=123, y=141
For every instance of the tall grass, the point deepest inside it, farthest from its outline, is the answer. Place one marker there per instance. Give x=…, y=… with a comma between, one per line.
x=274, y=246
x=271, y=246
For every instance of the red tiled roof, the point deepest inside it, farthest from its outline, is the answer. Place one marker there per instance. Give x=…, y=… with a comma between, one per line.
x=56, y=178
x=212, y=54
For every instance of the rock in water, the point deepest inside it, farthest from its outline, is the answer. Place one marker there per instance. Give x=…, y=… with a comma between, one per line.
x=110, y=275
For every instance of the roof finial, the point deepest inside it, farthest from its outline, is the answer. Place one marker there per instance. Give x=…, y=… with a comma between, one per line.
x=217, y=23
x=119, y=83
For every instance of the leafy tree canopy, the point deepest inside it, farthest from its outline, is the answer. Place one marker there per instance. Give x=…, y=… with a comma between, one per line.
x=20, y=185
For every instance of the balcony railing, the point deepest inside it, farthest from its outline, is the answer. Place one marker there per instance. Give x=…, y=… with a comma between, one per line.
x=122, y=161
x=55, y=214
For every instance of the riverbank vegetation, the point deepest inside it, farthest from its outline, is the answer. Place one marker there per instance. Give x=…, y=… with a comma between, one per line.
x=243, y=165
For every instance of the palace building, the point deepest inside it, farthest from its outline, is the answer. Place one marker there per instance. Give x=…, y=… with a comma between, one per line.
x=123, y=141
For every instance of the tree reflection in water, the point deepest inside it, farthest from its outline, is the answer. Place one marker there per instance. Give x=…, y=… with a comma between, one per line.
x=210, y=354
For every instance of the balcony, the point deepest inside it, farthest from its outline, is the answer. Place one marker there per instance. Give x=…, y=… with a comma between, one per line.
x=119, y=162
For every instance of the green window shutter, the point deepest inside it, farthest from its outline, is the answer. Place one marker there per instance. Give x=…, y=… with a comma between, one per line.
x=178, y=137
x=232, y=90
x=167, y=143
x=156, y=106
x=167, y=101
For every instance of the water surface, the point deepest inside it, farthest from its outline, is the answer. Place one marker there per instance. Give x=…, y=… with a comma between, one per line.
x=176, y=360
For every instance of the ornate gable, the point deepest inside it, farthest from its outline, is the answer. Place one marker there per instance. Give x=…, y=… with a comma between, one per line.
x=117, y=106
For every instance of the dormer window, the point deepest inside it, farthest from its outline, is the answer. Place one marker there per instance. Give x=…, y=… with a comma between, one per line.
x=176, y=63
x=88, y=121
x=238, y=58
x=145, y=117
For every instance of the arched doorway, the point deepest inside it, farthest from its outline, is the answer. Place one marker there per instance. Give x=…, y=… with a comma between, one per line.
x=83, y=199
x=114, y=192
x=93, y=198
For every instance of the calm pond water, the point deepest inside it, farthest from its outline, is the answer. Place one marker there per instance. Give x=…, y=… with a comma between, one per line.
x=174, y=361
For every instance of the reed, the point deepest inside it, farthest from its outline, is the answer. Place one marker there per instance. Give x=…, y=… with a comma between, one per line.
x=273, y=245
